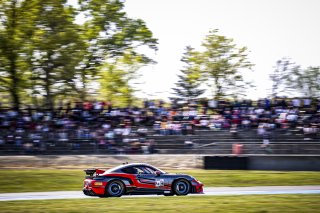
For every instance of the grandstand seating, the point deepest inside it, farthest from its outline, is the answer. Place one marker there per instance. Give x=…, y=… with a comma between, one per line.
x=203, y=142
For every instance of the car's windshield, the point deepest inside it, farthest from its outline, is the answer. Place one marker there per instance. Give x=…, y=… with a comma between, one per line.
x=156, y=169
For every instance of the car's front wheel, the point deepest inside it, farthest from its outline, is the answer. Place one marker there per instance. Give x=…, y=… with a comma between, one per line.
x=115, y=189
x=181, y=187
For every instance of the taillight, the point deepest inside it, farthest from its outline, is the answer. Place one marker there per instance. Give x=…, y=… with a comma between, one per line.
x=98, y=183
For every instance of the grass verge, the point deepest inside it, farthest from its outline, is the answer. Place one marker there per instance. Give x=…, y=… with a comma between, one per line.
x=257, y=203
x=33, y=180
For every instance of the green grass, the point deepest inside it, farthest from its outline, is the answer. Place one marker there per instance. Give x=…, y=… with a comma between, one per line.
x=255, y=178
x=243, y=203
x=32, y=180
x=36, y=180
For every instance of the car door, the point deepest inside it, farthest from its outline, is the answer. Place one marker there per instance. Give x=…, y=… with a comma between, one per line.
x=145, y=178
x=154, y=179
x=141, y=177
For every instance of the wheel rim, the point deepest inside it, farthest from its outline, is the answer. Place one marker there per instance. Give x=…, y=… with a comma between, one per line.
x=115, y=189
x=182, y=187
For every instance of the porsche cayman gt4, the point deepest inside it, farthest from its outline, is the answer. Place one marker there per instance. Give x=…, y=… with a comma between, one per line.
x=138, y=178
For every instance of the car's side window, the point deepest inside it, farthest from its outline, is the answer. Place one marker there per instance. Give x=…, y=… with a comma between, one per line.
x=130, y=170
x=140, y=170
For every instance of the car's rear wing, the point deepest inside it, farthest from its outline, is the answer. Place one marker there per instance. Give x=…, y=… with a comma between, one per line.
x=93, y=172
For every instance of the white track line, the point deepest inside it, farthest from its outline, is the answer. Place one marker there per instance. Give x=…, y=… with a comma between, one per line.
x=208, y=191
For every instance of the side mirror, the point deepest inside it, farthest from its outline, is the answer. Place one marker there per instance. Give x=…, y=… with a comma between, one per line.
x=158, y=173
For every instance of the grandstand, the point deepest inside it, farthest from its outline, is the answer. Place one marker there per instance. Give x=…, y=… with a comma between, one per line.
x=202, y=142
x=227, y=129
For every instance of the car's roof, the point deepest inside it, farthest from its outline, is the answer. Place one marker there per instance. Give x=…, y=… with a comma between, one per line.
x=133, y=164
x=128, y=165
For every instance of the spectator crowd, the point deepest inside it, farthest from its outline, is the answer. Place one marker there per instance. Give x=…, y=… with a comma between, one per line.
x=126, y=130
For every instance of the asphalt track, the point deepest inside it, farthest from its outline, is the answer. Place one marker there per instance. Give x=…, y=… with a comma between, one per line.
x=208, y=191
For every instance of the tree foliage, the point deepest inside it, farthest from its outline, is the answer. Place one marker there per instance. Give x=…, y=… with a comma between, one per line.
x=117, y=76
x=223, y=65
x=291, y=79
x=187, y=87
x=54, y=50
x=278, y=77
x=109, y=33
x=15, y=26
x=307, y=81
x=45, y=52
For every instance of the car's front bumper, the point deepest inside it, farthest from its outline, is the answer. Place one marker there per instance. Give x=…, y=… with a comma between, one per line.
x=197, y=187
x=197, y=190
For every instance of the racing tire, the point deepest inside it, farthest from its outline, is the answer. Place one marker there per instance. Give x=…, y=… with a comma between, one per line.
x=115, y=189
x=181, y=187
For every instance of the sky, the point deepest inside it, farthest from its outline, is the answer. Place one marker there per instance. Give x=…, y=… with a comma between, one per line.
x=270, y=29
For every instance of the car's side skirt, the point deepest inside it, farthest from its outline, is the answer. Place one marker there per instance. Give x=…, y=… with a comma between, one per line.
x=141, y=191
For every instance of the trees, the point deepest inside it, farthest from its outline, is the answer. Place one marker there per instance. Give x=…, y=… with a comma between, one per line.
x=307, y=81
x=303, y=82
x=282, y=69
x=223, y=63
x=291, y=79
x=54, y=52
x=108, y=34
x=187, y=87
x=14, y=28
x=117, y=76
x=37, y=48
x=45, y=53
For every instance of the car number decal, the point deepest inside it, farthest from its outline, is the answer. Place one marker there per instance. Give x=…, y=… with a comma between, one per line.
x=159, y=182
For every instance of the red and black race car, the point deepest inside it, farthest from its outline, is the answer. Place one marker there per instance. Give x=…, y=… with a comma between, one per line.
x=138, y=178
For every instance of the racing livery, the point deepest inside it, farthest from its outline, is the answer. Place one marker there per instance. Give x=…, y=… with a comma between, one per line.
x=138, y=178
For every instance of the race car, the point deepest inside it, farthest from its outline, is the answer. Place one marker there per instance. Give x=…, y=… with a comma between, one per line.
x=138, y=178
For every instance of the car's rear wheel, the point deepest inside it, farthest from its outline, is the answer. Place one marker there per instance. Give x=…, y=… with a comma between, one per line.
x=115, y=189
x=181, y=187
